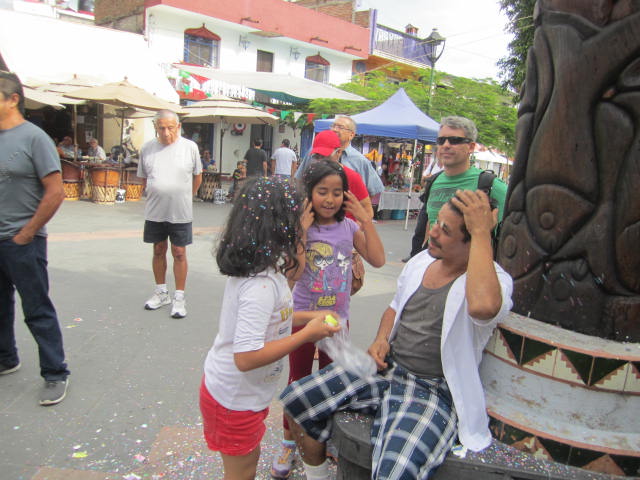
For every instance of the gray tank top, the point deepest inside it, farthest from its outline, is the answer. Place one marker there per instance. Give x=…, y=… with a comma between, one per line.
x=416, y=345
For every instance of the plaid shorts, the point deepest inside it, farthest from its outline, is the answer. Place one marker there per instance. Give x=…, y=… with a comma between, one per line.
x=415, y=423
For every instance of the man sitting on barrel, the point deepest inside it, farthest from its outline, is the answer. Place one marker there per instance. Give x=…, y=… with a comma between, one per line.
x=427, y=392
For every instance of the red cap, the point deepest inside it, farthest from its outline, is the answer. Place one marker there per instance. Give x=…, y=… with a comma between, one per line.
x=325, y=143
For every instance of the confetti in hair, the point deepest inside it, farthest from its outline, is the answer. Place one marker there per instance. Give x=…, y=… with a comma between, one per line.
x=262, y=230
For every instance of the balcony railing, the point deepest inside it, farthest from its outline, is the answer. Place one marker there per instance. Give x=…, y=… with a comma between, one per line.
x=401, y=45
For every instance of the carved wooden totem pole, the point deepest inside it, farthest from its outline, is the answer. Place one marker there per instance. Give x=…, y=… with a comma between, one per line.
x=571, y=241
x=571, y=235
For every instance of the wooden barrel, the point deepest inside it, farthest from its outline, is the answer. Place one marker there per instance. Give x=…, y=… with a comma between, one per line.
x=133, y=192
x=105, y=176
x=72, y=189
x=130, y=176
x=104, y=183
x=210, y=181
x=71, y=171
x=85, y=190
x=132, y=184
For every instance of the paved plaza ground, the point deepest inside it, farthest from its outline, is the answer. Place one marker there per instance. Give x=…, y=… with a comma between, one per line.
x=132, y=406
x=131, y=412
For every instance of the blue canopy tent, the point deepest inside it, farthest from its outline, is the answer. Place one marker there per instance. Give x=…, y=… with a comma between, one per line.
x=398, y=117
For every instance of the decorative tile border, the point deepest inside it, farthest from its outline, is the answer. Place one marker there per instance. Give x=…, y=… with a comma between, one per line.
x=556, y=451
x=589, y=362
x=539, y=350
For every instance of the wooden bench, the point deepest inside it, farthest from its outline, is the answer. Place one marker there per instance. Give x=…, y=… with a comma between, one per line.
x=351, y=436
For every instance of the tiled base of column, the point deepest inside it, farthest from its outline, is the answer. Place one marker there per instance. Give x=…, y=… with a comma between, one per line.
x=564, y=396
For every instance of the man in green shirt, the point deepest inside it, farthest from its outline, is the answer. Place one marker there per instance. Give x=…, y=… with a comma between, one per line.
x=455, y=144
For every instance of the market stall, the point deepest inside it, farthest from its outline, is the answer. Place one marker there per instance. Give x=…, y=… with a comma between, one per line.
x=398, y=200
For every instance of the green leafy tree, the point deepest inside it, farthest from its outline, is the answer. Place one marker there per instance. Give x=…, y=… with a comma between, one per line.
x=521, y=25
x=483, y=101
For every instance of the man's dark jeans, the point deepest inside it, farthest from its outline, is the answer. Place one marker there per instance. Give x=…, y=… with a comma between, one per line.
x=418, y=234
x=24, y=268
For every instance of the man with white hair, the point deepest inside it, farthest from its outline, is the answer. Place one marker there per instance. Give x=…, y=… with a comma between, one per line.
x=171, y=167
x=346, y=128
x=96, y=151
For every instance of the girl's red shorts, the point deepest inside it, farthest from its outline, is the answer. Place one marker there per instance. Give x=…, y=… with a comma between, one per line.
x=230, y=432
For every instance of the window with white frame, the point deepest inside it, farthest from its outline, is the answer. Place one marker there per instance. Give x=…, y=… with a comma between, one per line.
x=201, y=47
x=317, y=68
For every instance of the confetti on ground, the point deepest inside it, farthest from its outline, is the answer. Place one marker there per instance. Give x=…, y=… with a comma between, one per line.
x=82, y=454
x=139, y=458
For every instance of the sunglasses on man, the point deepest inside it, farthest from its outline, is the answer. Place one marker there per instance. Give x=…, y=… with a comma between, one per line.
x=453, y=140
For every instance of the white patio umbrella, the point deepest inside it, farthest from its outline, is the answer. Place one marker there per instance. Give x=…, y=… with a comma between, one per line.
x=283, y=87
x=225, y=110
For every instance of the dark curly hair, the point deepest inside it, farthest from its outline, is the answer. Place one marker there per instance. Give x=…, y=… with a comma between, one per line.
x=262, y=230
x=10, y=84
x=320, y=169
x=466, y=236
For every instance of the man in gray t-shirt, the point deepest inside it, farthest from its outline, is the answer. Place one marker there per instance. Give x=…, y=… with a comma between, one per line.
x=171, y=167
x=30, y=193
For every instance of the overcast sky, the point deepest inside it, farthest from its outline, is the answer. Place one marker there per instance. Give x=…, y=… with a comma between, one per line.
x=474, y=30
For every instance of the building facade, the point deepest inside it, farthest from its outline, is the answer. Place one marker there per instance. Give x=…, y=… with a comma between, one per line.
x=251, y=36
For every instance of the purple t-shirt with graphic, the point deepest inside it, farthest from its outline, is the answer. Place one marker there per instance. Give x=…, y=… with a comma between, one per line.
x=326, y=281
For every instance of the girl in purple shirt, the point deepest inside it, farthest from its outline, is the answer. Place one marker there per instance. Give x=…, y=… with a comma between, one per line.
x=325, y=283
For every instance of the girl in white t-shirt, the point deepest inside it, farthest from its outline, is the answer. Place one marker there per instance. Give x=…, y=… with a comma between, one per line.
x=260, y=249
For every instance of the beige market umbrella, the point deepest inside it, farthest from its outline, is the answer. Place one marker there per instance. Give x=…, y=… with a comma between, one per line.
x=34, y=99
x=123, y=94
x=65, y=85
x=218, y=109
x=61, y=86
x=130, y=112
x=225, y=111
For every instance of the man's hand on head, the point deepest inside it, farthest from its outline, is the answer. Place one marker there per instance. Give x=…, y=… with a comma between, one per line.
x=478, y=216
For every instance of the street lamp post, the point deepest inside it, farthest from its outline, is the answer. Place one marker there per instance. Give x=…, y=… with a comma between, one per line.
x=435, y=43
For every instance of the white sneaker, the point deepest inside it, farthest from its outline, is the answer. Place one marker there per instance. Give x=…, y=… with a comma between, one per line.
x=179, y=308
x=158, y=300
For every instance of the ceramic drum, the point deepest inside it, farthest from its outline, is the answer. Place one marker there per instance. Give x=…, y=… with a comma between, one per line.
x=104, y=183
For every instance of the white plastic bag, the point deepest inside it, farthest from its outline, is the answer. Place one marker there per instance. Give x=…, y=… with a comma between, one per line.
x=347, y=355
